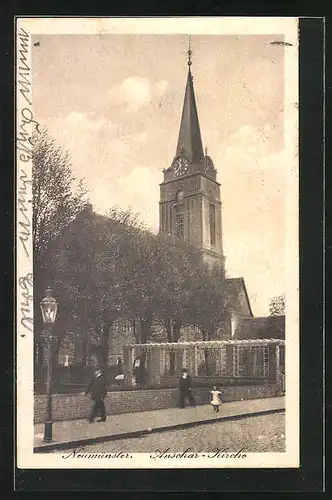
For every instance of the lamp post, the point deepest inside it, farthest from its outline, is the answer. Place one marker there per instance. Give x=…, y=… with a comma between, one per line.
x=49, y=307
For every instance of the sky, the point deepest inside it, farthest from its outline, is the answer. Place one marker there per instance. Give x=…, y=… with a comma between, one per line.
x=115, y=102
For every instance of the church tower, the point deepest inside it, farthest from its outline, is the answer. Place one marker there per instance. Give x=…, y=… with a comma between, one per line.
x=190, y=206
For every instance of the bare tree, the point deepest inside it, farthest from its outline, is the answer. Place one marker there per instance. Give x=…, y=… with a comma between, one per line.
x=58, y=196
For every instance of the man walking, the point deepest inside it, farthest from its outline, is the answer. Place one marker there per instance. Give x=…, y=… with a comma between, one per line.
x=98, y=390
x=185, y=389
x=119, y=365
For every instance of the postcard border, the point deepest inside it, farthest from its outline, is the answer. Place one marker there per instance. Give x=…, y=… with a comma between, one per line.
x=311, y=75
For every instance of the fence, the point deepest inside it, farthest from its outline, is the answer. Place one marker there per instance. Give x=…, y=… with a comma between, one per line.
x=259, y=359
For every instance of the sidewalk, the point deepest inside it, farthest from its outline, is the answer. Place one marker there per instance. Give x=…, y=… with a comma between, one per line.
x=73, y=433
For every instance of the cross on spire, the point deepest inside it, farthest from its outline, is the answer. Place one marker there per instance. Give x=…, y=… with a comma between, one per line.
x=189, y=52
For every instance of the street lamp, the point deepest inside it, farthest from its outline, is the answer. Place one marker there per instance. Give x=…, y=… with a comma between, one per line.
x=49, y=308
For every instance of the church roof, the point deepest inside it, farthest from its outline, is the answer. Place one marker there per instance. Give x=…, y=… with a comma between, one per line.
x=190, y=141
x=236, y=284
x=261, y=328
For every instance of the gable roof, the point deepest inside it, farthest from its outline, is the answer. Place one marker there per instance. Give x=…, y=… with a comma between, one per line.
x=236, y=284
x=262, y=327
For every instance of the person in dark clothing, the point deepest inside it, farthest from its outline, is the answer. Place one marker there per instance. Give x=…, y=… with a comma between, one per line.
x=119, y=365
x=136, y=371
x=139, y=371
x=185, y=389
x=98, y=390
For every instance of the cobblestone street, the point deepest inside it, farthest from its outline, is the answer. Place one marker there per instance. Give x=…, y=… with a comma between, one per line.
x=256, y=434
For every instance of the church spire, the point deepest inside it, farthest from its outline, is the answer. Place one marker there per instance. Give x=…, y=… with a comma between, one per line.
x=190, y=141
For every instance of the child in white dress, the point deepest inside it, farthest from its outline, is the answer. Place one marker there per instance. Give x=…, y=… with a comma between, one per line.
x=216, y=398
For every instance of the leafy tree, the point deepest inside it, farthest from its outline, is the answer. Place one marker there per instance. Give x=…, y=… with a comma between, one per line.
x=210, y=303
x=140, y=280
x=176, y=266
x=118, y=240
x=88, y=269
x=58, y=196
x=209, y=300
x=277, y=305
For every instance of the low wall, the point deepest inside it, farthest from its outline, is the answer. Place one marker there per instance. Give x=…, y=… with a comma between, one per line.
x=73, y=406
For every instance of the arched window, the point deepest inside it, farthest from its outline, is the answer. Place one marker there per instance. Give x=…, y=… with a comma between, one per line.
x=179, y=196
x=179, y=221
x=212, y=217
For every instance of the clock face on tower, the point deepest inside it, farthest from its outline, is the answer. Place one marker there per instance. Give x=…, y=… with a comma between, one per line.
x=180, y=166
x=208, y=167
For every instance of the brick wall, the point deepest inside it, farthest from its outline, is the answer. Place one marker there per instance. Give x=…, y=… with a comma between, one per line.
x=72, y=406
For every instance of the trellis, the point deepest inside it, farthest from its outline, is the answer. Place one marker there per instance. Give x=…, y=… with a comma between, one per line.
x=252, y=358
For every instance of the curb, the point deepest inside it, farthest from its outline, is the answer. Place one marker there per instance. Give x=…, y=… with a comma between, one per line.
x=134, y=434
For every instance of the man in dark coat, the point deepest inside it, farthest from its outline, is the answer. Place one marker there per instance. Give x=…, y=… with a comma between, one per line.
x=98, y=390
x=185, y=389
x=139, y=371
x=119, y=365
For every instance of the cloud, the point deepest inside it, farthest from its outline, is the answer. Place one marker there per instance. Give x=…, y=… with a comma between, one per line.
x=137, y=181
x=253, y=196
x=249, y=141
x=161, y=87
x=135, y=92
x=249, y=165
x=85, y=121
x=140, y=190
x=80, y=128
x=137, y=190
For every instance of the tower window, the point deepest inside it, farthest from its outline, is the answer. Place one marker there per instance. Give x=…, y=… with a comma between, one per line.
x=179, y=196
x=179, y=222
x=212, y=217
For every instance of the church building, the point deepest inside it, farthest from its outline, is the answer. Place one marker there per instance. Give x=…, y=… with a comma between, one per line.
x=190, y=207
x=190, y=204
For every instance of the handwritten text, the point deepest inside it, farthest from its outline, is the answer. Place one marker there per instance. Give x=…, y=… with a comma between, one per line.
x=24, y=70
x=26, y=301
x=24, y=221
